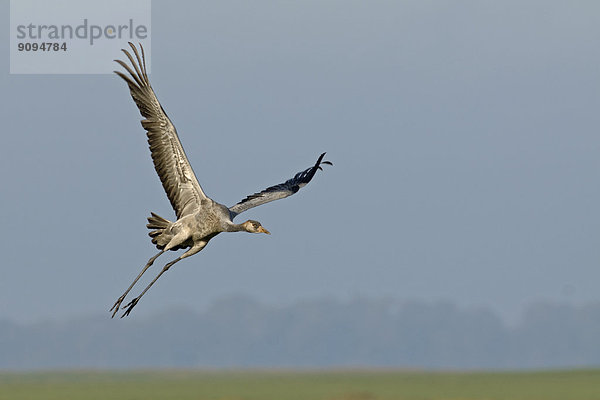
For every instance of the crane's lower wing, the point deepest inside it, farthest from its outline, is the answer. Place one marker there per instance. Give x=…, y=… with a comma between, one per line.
x=280, y=191
x=171, y=164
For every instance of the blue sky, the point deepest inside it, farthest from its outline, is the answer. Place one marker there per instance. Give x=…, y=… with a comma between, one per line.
x=465, y=137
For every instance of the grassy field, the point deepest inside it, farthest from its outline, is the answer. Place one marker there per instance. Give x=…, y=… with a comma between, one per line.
x=298, y=385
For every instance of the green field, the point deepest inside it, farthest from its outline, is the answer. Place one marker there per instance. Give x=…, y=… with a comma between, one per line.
x=299, y=385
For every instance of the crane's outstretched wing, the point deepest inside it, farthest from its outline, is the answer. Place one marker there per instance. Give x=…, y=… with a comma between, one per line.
x=171, y=164
x=280, y=191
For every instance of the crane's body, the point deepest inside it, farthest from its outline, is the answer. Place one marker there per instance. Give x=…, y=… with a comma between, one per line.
x=199, y=218
x=210, y=219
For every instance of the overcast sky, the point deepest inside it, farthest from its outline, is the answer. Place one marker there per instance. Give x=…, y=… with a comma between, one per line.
x=465, y=137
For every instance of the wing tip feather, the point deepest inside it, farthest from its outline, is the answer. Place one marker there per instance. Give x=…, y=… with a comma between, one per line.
x=287, y=188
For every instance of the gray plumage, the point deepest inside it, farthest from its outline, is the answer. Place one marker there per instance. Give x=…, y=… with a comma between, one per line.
x=280, y=191
x=199, y=218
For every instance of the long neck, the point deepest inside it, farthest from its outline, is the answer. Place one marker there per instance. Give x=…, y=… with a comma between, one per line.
x=231, y=227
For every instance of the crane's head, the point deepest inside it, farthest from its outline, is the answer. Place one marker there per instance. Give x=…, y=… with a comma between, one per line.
x=254, y=227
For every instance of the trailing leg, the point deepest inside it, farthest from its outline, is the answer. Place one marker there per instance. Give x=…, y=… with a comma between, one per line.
x=195, y=249
x=133, y=302
x=117, y=304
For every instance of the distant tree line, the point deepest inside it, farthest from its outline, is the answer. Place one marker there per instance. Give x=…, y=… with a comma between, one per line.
x=240, y=332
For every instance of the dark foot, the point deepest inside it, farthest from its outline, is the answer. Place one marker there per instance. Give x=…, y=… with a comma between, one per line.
x=116, y=306
x=130, y=306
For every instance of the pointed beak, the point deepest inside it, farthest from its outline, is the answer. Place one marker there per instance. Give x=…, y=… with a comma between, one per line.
x=263, y=230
